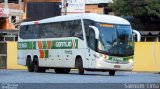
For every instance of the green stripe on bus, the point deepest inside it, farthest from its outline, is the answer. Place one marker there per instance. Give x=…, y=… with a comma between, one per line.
x=76, y=43
x=44, y=44
x=56, y=44
x=46, y=53
x=34, y=45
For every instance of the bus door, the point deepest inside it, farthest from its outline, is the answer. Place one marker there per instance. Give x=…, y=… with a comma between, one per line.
x=91, y=58
x=90, y=36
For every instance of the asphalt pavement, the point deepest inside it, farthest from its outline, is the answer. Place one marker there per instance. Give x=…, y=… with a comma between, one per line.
x=91, y=80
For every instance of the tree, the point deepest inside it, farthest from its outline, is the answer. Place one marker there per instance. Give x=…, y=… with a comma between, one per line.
x=145, y=12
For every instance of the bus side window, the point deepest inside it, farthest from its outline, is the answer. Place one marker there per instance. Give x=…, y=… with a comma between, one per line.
x=91, y=39
x=77, y=29
x=35, y=33
x=29, y=33
x=71, y=29
x=65, y=27
x=90, y=34
x=23, y=30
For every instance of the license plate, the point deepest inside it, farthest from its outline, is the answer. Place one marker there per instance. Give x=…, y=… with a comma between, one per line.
x=117, y=66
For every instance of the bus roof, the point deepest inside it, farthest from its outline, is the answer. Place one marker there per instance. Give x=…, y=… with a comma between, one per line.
x=91, y=16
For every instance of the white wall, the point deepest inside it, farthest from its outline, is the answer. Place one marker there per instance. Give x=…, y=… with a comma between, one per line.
x=97, y=1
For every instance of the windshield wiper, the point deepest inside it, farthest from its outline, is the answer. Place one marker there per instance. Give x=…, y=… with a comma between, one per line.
x=101, y=51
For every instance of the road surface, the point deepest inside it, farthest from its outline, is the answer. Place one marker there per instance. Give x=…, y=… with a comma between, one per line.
x=94, y=79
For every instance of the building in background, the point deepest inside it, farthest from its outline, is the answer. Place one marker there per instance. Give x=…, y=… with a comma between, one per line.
x=11, y=12
x=74, y=6
x=41, y=9
x=150, y=36
x=98, y=6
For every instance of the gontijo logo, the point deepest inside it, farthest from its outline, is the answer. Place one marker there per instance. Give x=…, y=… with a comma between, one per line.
x=66, y=44
x=63, y=44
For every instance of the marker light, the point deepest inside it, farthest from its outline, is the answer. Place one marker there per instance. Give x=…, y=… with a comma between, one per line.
x=107, y=25
x=36, y=22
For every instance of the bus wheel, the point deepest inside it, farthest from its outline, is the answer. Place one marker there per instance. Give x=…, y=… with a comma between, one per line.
x=37, y=68
x=62, y=70
x=79, y=65
x=30, y=65
x=57, y=70
x=66, y=70
x=112, y=72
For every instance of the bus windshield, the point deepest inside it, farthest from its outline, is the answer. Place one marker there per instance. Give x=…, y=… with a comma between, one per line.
x=115, y=40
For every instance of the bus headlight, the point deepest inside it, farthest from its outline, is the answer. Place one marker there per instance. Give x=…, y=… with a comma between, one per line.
x=130, y=60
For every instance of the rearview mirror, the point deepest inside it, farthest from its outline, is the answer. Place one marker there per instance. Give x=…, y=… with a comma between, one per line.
x=138, y=35
x=96, y=31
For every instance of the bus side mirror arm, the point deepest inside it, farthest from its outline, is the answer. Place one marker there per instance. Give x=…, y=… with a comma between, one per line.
x=138, y=35
x=96, y=31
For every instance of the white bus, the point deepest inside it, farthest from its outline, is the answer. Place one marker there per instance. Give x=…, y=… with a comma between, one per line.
x=89, y=42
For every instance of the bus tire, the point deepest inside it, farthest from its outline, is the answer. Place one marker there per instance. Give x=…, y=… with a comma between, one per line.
x=62, y=70
x=37, y=68
x=112, y=72
x=67, y=70
x=57, y=70
x=79, y=66
x=30, y=65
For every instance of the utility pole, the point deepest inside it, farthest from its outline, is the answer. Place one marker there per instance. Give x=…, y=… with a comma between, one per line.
x=6, y=10
x=6, y=4
x=64, y=7
x=20, y=11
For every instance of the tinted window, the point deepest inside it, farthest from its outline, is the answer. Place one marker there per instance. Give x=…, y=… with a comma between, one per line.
x=29, y=32
x=90, y=34
x=75, y=28
x=52, y=30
